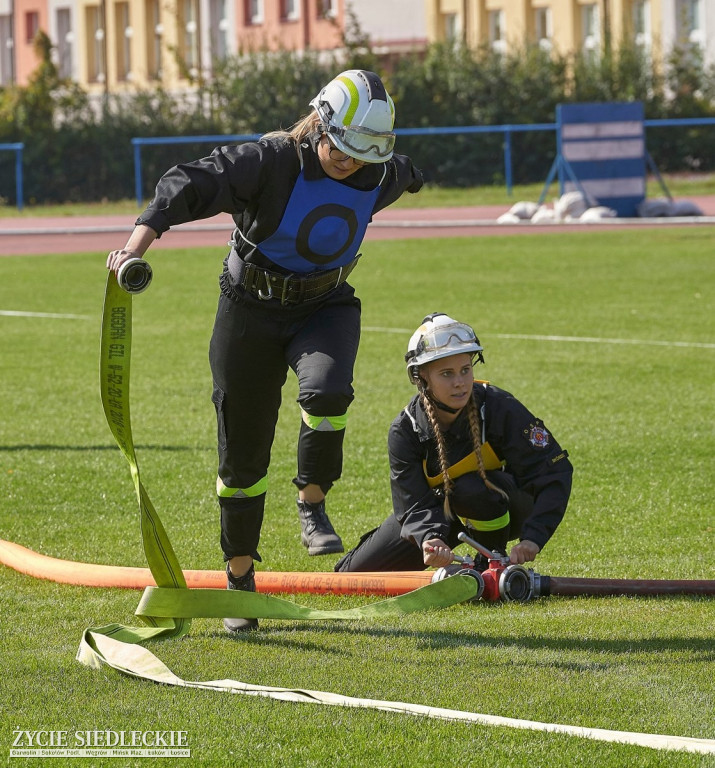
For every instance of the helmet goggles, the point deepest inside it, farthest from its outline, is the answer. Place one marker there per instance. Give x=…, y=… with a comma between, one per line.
x=363, y=140
x=440, y=336
x=447, y=336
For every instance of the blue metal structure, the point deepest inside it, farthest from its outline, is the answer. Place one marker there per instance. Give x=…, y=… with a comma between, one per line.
x=219, y=140
x=601, y=153
x=17, y=148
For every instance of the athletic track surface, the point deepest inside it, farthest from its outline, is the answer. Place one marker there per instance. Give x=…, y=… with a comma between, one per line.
x=74, y=234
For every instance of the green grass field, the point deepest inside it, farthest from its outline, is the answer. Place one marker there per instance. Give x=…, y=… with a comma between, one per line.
x=607, y=336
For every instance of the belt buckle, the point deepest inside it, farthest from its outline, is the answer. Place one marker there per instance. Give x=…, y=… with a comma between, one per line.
x=286, y=290
x=269, y=295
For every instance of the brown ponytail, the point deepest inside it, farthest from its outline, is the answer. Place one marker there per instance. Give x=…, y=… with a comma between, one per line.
x=303, y=127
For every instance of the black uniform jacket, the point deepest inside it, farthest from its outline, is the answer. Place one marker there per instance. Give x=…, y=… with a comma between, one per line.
x=253, y=182
x=520, y=441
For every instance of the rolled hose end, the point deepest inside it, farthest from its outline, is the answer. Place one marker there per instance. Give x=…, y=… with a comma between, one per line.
x=134, y=275
x=458, y=570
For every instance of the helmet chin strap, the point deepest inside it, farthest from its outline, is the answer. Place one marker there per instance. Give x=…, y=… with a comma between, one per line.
x=442, y=406
x=437, y=403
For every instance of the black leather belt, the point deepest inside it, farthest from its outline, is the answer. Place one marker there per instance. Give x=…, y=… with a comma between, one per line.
x=288, y=289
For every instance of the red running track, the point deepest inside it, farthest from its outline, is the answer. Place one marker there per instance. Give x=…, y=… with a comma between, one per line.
x=45, y=235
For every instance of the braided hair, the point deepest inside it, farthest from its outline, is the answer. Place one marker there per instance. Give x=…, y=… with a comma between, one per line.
x=475, y=426
x=447, y=482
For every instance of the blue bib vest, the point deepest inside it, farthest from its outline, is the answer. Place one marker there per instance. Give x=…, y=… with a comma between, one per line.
x=322, y=227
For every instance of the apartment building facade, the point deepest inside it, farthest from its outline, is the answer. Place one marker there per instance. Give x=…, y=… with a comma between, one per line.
x=576, y=25
x=115, y=45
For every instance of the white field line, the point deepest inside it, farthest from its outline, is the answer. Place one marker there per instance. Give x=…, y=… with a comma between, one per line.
x=379, y=329
x=576, y=339
x=406, y=223
x=51, y=315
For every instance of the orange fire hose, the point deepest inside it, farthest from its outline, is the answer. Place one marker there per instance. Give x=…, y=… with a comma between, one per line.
x=271, y=582
x=381, y=583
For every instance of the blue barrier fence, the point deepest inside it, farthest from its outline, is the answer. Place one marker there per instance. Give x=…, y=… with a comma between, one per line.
x=17, y=149
x=216, y=140
x=219, y=140
x=506, y=130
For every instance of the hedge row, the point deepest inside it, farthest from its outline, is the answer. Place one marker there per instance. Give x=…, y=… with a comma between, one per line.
x=80, y=150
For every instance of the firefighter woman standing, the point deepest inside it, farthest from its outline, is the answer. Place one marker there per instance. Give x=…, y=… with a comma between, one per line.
x=464, y=456
x=301, y=200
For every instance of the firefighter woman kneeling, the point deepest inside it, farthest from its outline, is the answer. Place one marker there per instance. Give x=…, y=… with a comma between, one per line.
x=464, y=456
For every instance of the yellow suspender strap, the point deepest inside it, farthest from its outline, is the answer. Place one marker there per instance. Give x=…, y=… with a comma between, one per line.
x=467, y=464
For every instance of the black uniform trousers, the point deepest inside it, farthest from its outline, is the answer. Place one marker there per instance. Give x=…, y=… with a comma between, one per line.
x=384, y=549
x=252, y=346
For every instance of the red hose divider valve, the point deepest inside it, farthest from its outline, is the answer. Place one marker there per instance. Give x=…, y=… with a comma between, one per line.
x=500, y=580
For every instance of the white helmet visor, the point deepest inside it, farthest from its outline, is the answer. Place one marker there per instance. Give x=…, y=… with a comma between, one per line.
x=447, y=336
x=363, y=141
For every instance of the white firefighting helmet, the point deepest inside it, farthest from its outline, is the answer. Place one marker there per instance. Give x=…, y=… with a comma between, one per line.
x=358, y=115
x=440, y=336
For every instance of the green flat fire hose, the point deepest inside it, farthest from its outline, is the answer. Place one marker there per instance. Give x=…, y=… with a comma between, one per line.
x=168, y=608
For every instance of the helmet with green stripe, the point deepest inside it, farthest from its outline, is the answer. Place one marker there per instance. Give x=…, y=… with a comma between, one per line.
x=358, y=115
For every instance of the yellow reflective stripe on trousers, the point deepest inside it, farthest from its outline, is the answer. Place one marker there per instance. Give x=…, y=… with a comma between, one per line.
x=324, y=423
x=242, y=493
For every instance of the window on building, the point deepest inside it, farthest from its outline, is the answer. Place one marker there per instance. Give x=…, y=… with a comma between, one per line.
x=65, y=39
x=123, y=37
x=452, y=31
x=290, y=10
x=189, y=36
x=327, y=9
x=591, y=35
x=542, y=28
x=254, y=11
x=32, y=25
x=218, y=26
x=641, y=24
x=689, y=22
x=154, y=33
x=96, y=70
x=497, y=31
x=6, y=46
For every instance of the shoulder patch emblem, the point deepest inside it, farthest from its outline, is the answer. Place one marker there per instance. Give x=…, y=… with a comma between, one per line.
x=538, y=435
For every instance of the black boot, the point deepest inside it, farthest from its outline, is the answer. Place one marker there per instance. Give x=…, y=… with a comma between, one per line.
x=317, y=533
x=246, y=583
